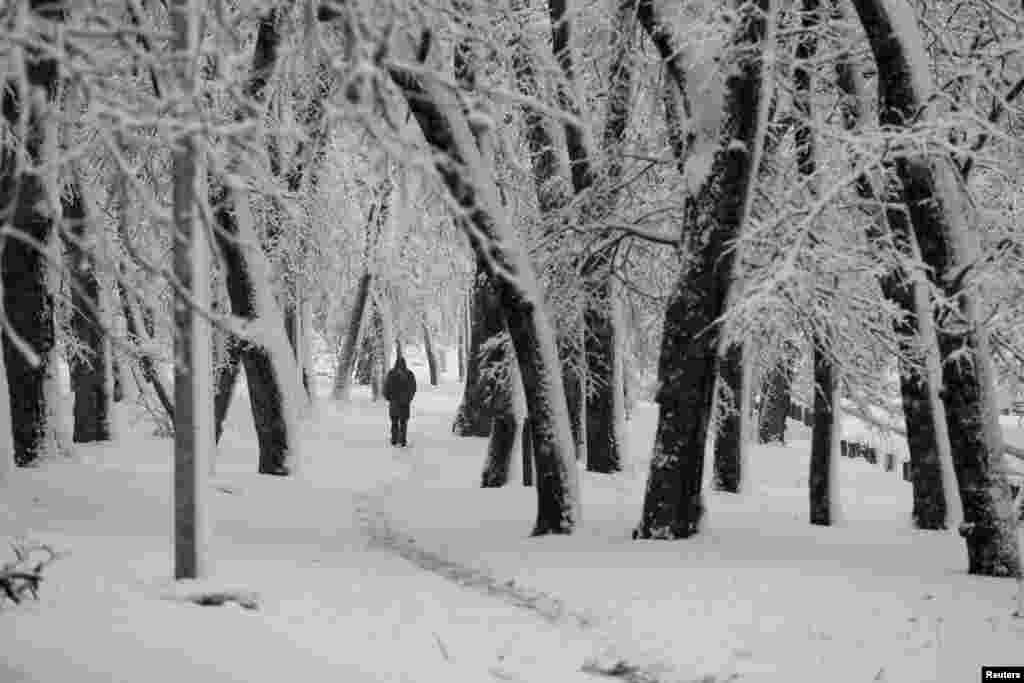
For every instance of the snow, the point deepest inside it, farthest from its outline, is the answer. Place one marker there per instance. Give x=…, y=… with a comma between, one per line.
x=381, y=564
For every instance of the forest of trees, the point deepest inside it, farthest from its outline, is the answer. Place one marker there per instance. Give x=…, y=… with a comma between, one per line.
x=728, y=208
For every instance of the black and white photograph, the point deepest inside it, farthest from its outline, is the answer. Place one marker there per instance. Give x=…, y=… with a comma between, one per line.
x=511, y=341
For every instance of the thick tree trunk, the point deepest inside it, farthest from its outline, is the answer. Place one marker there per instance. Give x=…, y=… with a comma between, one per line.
x=428, y=349
x=265, y=391
x=471, y=418
x=266, y=395
x=941, y=215
x=29, y=209
x=350, y=342
x=729, y=439
x=673, y=504
x=500, y=448
x=929, y=509
x=470, y=183
x=823, y=442
x=505, y=424
x=92, y=404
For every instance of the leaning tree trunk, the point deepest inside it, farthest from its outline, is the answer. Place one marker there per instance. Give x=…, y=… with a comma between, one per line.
x=267, y=394
x=922, y=409
x=673, y=504
x=364, y=361
x=469, y=181
x=941, y=215
x=29, y=208
x=729, y=439
x=428, y=349
x=350, y=342
x=552, y=184
x=471, y=418
x=89, y=374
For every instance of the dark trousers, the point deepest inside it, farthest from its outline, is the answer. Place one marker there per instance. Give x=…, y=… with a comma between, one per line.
x=399, y=431
x=399, y=424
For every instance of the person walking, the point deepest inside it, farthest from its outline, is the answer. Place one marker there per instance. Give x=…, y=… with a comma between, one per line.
x=399, y=388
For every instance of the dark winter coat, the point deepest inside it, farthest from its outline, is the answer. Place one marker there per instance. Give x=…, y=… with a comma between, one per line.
x=399, y=388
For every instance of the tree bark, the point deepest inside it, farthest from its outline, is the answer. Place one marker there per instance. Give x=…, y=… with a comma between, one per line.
x=673, y=505
x=428, y=349
x=602, y=317
x=193, y=434
x=30, y=210
x=505, y=423
x=88, y=375
x=823, y=446
x=350, y=343
x=472, y=418
x=729, y=439
x=471, y=185
x=823, y=430
x=923, y=413
x=941, y=215
x=265, y=389
x=775, y=398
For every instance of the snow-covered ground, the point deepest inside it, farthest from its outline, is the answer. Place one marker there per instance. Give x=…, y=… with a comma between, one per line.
x=378, y=564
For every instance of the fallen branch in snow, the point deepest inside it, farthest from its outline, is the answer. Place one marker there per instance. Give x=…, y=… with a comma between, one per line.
x=24, y=574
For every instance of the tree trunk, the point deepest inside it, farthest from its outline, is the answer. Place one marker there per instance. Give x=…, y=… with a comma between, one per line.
x=823, y=494
x=428, y=349
x=922, y=410
x=88, y=375
x=673, y=504
x=7, y=463
x=471, y=418
x=941, y=215
x=775, y=398
x=729, y=439
x=141, y=328
x=505, y=423
x=193, y=434
x=471, y=185
x=606, y=409
x=573, y=377
x=266, y=389
x=364, y=361
x=463, y=352
x=500, y=447
x=351, y=340
x=29, y=209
